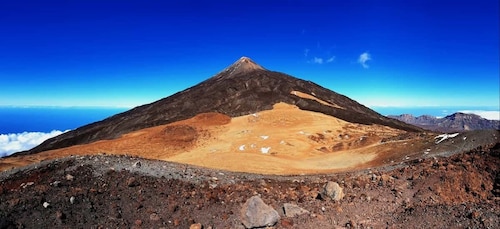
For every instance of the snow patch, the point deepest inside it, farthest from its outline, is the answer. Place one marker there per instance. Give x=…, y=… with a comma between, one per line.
x=265, y=150
x=444, y=137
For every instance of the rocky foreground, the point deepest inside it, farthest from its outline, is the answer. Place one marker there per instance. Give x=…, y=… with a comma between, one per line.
x=460, y=191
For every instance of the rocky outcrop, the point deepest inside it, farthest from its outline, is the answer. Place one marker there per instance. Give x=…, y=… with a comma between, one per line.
x=256, y=214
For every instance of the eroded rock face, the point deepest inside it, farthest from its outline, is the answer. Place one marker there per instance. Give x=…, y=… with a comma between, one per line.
x=255, y=213
x=333, y=191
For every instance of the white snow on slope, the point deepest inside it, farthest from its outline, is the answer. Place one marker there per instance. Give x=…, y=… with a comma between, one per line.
x=444, y=137
x=265, y=150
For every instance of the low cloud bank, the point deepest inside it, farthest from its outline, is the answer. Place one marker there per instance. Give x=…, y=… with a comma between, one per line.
x=491, y=115
x=11, y=143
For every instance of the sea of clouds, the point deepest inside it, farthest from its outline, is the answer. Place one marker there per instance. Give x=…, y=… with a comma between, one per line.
x=491, y=115
x=12, y=143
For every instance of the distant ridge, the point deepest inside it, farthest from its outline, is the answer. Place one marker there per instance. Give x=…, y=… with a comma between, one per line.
x=454, y=122
x=242, y=88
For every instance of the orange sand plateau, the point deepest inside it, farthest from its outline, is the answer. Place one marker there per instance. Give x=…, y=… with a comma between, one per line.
x=284, y=140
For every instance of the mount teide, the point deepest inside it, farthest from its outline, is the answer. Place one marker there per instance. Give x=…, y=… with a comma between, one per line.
x=241, y=89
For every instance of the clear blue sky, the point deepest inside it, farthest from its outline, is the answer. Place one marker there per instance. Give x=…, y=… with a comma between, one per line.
x=127, y=53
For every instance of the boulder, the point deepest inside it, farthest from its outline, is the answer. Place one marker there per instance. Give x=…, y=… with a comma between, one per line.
x=255, y=213
x=333, y=191
x=292, y=210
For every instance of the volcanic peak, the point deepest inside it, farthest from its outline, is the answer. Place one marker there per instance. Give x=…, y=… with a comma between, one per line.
x=241, y=66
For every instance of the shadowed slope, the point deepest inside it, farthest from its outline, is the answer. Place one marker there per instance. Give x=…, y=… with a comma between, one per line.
x=243, y=88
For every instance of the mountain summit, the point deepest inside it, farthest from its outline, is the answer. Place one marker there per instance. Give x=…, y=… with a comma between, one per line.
x=242, y=66
x=243, y=88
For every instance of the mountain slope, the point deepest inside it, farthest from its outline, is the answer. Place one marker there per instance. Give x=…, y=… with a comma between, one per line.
x=241, y=89
x=454, y=122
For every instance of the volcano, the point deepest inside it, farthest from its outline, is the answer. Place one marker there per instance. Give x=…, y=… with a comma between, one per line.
x=196, y=158
x=243, y=88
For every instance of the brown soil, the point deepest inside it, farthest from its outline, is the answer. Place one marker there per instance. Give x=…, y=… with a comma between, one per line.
x=459, y=191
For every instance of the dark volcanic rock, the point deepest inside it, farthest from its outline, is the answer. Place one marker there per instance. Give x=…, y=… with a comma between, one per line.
x=241, y=89
x=454, y=122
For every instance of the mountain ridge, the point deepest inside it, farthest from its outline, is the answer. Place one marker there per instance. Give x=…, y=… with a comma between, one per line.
x=455, y=122
x=242, y=88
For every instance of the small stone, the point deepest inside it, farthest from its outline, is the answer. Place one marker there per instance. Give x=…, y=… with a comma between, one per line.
x=255, y=213
x=333, y=191
x=132, y=182
x=137, y=164
x=69, y=177
x=46, y=205
x=292, y=210
x=154, y=217
x=352, y=224
x=474, y=215
x=72, y=200
x=25, y=185
x=60, y=215
x=195, y=226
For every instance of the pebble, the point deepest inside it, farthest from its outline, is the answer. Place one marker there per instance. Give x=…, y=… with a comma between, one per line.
x=69, y=177
x=72, y=200
x=132, y=182
x=154, y=217
x=46, y=204
x=195, y=226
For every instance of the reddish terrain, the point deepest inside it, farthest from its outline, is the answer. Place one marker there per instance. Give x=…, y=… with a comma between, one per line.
x=459, y=191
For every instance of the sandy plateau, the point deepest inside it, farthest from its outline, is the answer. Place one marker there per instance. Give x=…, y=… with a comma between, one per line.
x=284, y=140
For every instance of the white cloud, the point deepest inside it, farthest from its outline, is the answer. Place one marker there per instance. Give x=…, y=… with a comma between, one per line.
x=306, y=52
x=317, y=60
x=11, y=143
x=331, y=59
x=491, y=115
x=363, y=58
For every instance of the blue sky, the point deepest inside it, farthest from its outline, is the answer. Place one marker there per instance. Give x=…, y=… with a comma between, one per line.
x=127, y=53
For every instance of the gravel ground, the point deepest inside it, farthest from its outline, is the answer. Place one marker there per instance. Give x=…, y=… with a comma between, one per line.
x=459, y=190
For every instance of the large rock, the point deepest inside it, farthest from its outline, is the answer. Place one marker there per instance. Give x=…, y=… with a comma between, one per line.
x=333, y=191
x=255, y=213
x=292, y=210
